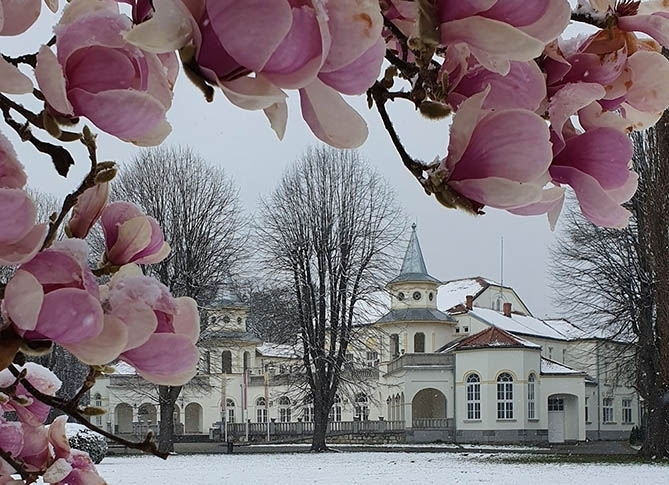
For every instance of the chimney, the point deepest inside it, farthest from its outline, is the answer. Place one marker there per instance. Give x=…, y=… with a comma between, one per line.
x=507, y=309
x=469, y=302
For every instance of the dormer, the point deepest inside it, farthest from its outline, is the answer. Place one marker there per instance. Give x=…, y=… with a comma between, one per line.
x=413, y=287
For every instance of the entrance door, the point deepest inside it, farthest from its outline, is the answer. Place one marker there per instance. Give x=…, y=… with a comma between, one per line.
x=555, y=420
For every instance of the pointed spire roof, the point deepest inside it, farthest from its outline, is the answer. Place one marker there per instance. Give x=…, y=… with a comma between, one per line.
x=413, y=266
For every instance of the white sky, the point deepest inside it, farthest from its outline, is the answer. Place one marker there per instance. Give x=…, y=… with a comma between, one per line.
x=454, y=244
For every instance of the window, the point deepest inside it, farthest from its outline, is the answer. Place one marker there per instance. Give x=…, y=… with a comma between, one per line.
x=284, y=410
x=473, y=390
x=607, y=410
x=531, y=398
x=261, y=410
x=400, y=296
x=247, y=361
x=335, y=411
x=372, y=358
x=555, y=404
x=627, y=411
x=361, y=408
x=550, y=352
x=308, y=409
x=587, y=410
x=419, y=342
x=394, y=346
x=416, y=295
x=465, y=329
x=457, y=329
x=230, y=406
x=505, y=396
x=97, y=402
x=226, y=362
x=205, y=362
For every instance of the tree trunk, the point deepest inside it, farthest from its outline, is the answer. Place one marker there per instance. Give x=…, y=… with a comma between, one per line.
x=656, y=439
x=320, y=428
x=167, y=398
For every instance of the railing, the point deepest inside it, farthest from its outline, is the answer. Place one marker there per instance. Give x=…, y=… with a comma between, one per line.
x=418, y=360
x=285, y=430
x=431, y=423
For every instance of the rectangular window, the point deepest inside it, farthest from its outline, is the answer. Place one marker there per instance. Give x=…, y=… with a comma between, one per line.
x=627, y=411
x=607, y=410
x=372, y=358
x=261, y=415
x=587, y=410
x=505, y=396
x=284, y=415
x=335, y=413
x=556, y=404
x=473, y=397
x=531, y=401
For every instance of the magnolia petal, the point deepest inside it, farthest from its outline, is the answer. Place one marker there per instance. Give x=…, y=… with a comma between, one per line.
x=551, y=203
x=52, y=5
x=23, y=300
x=133, y=236
x=596, y=204
x=13, y=81
x=252, y=93
x=277, y=114
x=640, y=120
x=51, y=81
x=512, y=144
x=57, y=471
x=593, y=116
x=569, y=99
x=70, y=315
x=330, y=118
x=140, y=320
x=250, y=31
x=25, y=249
x=12, y=175
x=105, y=347
x=165, y=359
x=87, y=210
x=58, y=436
x=356, y=77
x=492, y=40
x=17, y=216
x=103, y=110
x=187, y=320
x=656, y=26
x=544, y=20
x=157, y=257
x=463, y=125
x=498, y=192
x=650, y=71
x=169, y=29
x=17, y=16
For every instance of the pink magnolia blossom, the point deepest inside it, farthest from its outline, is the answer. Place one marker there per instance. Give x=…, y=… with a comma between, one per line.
x=69, y=466
x=30, y=410
x=500, y=31
x=55, y=296
x=96, y=73
x=162, y=330
x=20, y=237
x=498, y=158
x=131, y=236
x=87, y=210
x=17, y=16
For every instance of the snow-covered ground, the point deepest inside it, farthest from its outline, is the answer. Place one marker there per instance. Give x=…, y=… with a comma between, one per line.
x=366, y=468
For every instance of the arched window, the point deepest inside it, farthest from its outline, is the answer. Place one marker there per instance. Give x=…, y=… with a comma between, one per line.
x=308, y=409
x=261, y=410
x=505, y=396
x=226, y=362
x=394, y=346
x=419, y=342
x=247, y=361
x=473, y=391
x=284, y=410
x=230, y=406
x=531, y=397
x=335, y=412
x=361, y=407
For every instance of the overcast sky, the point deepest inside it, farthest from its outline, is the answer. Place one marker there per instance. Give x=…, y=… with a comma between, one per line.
x=455, y=245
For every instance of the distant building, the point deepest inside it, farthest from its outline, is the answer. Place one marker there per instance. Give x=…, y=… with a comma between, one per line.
x=461, y=360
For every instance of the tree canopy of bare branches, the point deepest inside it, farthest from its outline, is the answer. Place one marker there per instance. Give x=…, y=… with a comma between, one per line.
x=198, y=208
x=330, y=229
x=619, y=279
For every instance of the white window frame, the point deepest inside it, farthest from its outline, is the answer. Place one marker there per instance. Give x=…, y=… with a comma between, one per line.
x=608, y=412
x=473, y=396
x=531, y=397
x=504, y=396
x=627, y=411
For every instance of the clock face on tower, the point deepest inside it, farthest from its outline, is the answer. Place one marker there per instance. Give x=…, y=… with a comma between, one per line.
x=416, y=295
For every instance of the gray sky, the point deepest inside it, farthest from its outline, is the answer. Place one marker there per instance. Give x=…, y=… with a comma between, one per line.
x=455, y=245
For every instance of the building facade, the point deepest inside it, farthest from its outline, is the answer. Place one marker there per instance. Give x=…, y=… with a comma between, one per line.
x=458, y=361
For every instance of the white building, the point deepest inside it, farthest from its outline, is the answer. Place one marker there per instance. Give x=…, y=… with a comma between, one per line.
x=458, y=361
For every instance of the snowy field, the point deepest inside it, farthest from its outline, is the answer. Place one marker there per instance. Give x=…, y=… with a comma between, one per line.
x=366, y=468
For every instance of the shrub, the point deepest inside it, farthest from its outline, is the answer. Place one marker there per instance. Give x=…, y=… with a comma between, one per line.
x=83, y=439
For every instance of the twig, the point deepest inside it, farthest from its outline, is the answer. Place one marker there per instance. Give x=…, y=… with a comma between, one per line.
x=72, y=409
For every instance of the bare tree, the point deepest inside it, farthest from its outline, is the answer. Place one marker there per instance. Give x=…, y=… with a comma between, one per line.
x=330, y=229
x=273, y=314
x=619, y=279
x=199, y=211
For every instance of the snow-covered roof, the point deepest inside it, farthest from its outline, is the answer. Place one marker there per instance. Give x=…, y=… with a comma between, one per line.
x=123, y=368
x=281, y=351
x=518, y=324
x=416, y=315
x=551, y=367
x=453, y=293
x=492, y=337
x=574, y=332
x=566, y=328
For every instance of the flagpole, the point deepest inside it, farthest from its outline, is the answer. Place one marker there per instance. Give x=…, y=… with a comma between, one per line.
x=267, y=402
